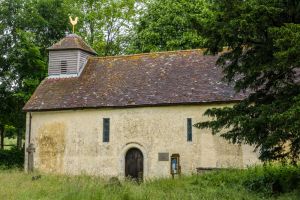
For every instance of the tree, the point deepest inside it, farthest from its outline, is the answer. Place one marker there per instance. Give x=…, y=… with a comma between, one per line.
x=27, y=29
x=106, y=24
x=4, y=98
x=48, y=20
x=262, y=59
x=170, y=25
x=28, y=69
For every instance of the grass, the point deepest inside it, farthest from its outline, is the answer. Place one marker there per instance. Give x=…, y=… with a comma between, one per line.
x=252, y=183
x=11, y=142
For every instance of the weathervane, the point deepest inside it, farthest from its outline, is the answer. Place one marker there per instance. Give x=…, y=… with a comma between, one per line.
x=73, y=22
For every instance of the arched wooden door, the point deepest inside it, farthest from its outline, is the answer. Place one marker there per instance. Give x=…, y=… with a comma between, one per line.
x=134, y=163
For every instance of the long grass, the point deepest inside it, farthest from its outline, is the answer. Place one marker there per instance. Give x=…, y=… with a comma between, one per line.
x=253, y=183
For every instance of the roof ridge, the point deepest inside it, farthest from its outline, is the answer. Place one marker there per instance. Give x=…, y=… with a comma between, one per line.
x=146, y=54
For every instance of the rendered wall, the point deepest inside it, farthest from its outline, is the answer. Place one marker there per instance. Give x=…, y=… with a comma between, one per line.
x=71, y=141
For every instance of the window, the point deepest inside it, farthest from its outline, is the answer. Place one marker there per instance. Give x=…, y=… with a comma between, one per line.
x=105, y=129
x=189, y=130
x=63, y=67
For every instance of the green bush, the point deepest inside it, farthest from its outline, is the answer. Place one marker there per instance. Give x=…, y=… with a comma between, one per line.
x=273, y=179
x=13, y=158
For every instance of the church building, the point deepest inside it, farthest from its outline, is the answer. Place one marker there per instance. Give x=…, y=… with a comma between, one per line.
x=128, y=115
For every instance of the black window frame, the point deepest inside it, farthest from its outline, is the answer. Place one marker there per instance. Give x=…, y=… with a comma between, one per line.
x=106, y=129
x=189, y=130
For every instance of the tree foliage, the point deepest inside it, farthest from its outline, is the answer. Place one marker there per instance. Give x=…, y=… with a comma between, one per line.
x=263, y=40
x=170, y=25
x=27, y=29
x=106, y=24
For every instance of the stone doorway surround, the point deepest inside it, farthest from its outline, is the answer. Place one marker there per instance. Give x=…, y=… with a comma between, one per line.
x=125, y=149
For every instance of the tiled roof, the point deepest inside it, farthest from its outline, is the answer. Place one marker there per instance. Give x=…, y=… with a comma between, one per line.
x=72, y=41
x=167, y=78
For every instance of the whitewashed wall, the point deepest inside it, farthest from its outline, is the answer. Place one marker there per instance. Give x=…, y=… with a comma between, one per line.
x=70, y=142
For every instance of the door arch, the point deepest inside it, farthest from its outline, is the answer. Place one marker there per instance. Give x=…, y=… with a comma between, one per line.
x=134, y=164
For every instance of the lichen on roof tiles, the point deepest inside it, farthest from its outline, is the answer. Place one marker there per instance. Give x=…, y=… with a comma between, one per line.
x=168, y=78
x=72, y=41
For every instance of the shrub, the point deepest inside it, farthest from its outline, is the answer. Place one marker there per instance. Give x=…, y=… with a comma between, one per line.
x=13, y=158
x=273, y=179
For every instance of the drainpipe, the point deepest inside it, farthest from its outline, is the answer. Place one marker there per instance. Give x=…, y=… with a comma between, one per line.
x=29, y=129
x=30, y=149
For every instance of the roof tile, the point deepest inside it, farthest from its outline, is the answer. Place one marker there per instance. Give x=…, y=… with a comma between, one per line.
x=181, y=77
x=72, y=41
